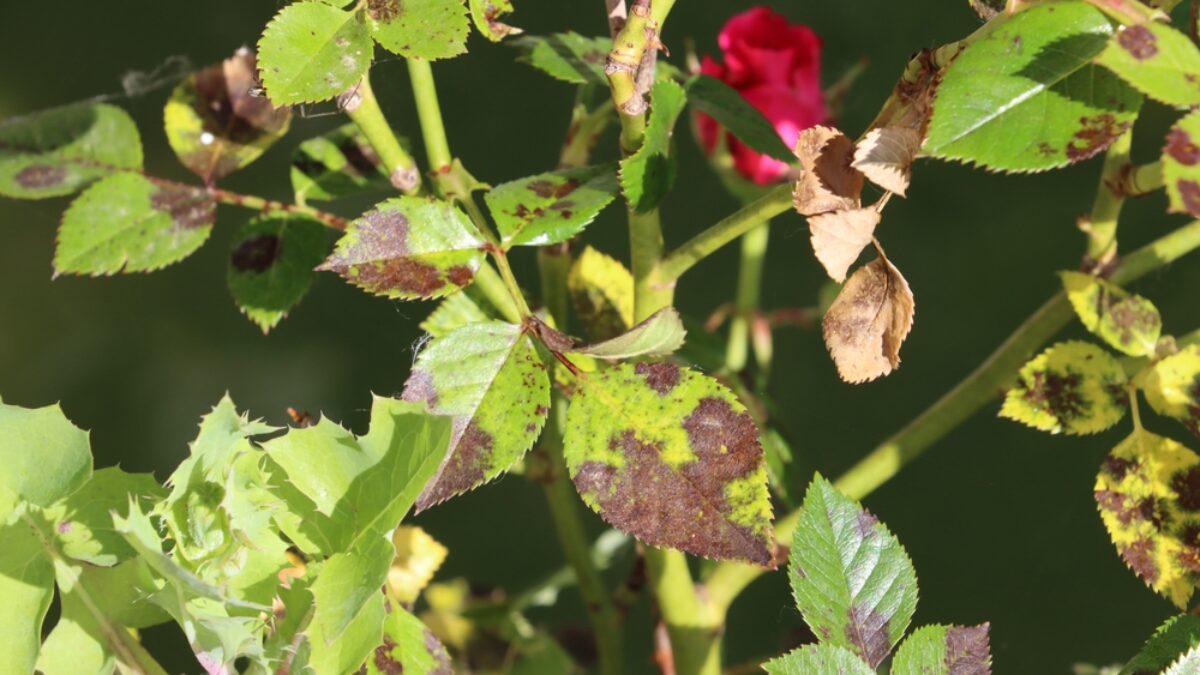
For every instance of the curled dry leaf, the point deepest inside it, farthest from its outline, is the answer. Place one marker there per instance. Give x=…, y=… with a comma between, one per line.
x=868, y=321
x=885, y=156
x=838, y=237
x=828, y=183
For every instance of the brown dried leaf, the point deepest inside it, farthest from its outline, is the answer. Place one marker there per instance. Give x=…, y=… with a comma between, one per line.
x=868, y=321
x=828, y=183
x=838, y=237
x=885, y=156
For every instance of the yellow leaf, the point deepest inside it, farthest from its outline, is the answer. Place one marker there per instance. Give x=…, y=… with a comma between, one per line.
x=868, y=321
x=1074, y=387
x=1128, y=323
x=828, y=182
x=602, y=291
x=885, y=156
x=1173, y=387
x=418, y=557
x=838, y=238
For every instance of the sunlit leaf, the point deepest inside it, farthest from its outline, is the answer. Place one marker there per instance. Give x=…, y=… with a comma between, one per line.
x=59, y=151
x=839, y=237
x=488, y=378
x=868, y=322
x=83, y=524
x=27, y=586
x=1181, y=166
x=312, y=52
x=1188, y=663
x=1148, y=491
x=338, y=164
x=1128, y=323
x=659, y=334
x=567, y=56
x=347, y=654
x=418, y=557
x=347, y=582
x=271, y=265
x=1176, y=636
x=945, y=650
x=885, y=156
x=125, y=223
x=409, y=248
x=45, y=457
x=673, y=458
x=852, y=580
x=1173, y=387
x=1072, y=387
x=408, y=647
x=733, y=112
x=648, y=174
x=1156, y=59
x=214, y=124
x=486, y=15
x=429, y=29
x=818, y=658
x=455, y=311
x=602, y=292
x=551, y=207
x=1027, y=97
x=828, y=182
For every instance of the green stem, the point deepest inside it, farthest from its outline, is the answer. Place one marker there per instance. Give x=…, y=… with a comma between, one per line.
x=510, y=282
x=496, y=291
x=646, y=249
x=693, y=625
x=983, y=385
x=641, y=31
x=433, y=131
x=363, y=109
x=554, y=263
x=1101, y=226
x=749, y=288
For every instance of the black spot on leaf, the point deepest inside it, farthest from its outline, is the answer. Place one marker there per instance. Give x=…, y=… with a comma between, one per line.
x=257, y=253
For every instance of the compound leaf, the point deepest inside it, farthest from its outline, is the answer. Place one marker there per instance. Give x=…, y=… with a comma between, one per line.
x=660, y=334
x=271, y=265
x=1128, y=323
x=648, y=174
x=1073, y=387
x=818, y=658
x=1181, y=166
x=1173, y=387
x=567, y=56
x=945, y=650
x=673, y=458
x=338, y=164
x=551, y=207
x=1158, y=60
x=429, y=29
x=312, y=52
x=602, y=291
x=731, y=110
x=1176, y=636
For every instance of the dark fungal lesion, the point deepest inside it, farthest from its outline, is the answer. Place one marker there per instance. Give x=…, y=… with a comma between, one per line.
x=661, y=377
x=187, y=206
x=257, y=254
x=1139, y=41
x=40, y=176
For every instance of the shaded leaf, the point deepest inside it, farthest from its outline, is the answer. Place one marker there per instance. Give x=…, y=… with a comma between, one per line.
x=1128, y=323
x=409, y=248
x=567, y=56
x=1158, y=60
x=1176, y=636
x=551, y=207
x=486, y=15
x=1148, y=491
x=418, y=557
x=1181, y=166
x=59, y=151
x=408, y=647
x=82, y=522
x=602, y=292
x=673, y=458
x=945, y=650
x=852, y=580
x=725, y=105
x=885, y=156
x=27, y=586
x=338, y=164
x=312, y=52
x=868, y=321
x=45, y=457
x=818, y=658
x=455, y=311
x=828, y=181
x=429, y=29
x=125, y=223
x=214, y=124
x=648, y=174
x=271, y=265
x=488, y=378
x=1073, y=387
x=1173, y=387
x=1027, y=97
x=839, y=237
x=659, y=334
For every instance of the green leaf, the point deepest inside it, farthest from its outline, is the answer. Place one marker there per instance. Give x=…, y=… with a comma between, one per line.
x=818, y=658
x=1073, y=387
x=59, y=151
x=724, y=104
x=660, y=334
x=945, y=650
x=455, y=311
x=602, y=292
x=1027, y=97
x=83, y=523
x=656, y=424
x=125, y=223
x=1128, y=323
x=346, y=654
x=27, y=586
x=1181, y=166
x=213, y=123
x=429, y=29
x=1147, y=491
x=409, y=248
x=551, y=207
x=312, y=52
x=488, y=378
x=1186, y=664
x=45, y=457
x=1176, y=636
x=271, y=265
x=648, y=174
x=347, y=581
x=486, y=15
x=567, y=56
x=338, y=164
x=408, y=647
x=1173, y=387
x=852, y=580
x=1158, y=60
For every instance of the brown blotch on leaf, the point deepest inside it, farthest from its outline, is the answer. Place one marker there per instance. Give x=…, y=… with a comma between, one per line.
x=384, y=11
x=828, y=181
x=1189, y=192
x=1057, y=393
x=187, y=206
x=383, y=658
x=1095, y=134
x=420, y=389
x=40, y=176
x=1139, y=556
x=868, y=321
x=1139, y=41
x=1186, y=485
x=968, y=650
x=257, y=253
x=1116, y=467
x=438, y=651
x=460, y=275
x=1181, y=148
x=867, y=630
x=464, y=467
x=383, y=242
x=864, y=524
x=661, y=377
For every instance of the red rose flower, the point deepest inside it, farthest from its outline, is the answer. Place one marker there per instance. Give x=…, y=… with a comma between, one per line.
x=776, y=66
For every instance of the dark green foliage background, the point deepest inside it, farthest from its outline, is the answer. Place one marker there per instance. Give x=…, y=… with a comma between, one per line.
x=999, y=519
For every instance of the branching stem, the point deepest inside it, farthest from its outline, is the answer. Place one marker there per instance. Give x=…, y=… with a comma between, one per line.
x=363, y=109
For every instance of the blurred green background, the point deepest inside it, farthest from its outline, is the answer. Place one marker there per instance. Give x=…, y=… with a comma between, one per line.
x=999, y=519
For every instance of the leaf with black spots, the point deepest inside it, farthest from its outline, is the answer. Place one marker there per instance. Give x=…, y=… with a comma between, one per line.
x=486, y=15
x=488, y=379
x=551, y=207
x=660, y=334
x=125, y=223
x=341, y=163
x=1027, y=95
x=570, y=57
x=945, y=650
x=1148, y=491
x=1173, y=387
x=1181, y=166
x=648, y=174
x=429, y=29
x=409, y=248
x=1128, y=323
x=312, y=52
x=839, y=237
x=271, y=265
x=885, y=156
x=828, y=182
x=1176, y=636
x=732, y=111
x=408, y=647
x=601, y=289
x=818, y=658
x=672, y=457
x=60, y=151
x=215, y=125
x=868, y=321
x=1158, y=60
x=1073, y=387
